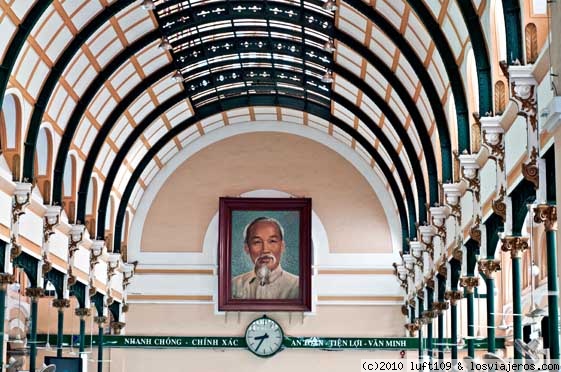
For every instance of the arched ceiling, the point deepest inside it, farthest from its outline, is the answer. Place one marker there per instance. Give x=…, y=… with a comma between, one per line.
x=127, y=84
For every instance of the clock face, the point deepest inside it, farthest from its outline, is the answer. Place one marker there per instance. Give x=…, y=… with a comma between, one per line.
x=264, y=337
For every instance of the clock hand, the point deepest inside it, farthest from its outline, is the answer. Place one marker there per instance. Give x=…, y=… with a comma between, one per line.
x=261, y=338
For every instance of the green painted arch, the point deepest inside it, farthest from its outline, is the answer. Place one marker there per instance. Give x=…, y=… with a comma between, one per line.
x=493, y=226
x=114, y=115
x=522, y=195
x=258, y=101
x=453, y=72
x=15, y=46
x=139, y=129
x=513, y=28
x=54, y=76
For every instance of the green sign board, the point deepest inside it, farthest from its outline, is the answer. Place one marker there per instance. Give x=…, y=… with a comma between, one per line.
x=178, y=342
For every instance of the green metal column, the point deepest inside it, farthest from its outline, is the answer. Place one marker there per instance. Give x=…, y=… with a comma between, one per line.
x=469, y=282
x=548, y=215
x=60, y=332
x=454, y=296
x=553, y=297
x=454, y=329
x=470, y=323
x=100, y=320
x=82, y=313
x=60, y=304
x=430, y=296
x=5, y=279
x=488, y=267
x=441, y=307
x=420, y=306
x=516, y=245
x=34, y=293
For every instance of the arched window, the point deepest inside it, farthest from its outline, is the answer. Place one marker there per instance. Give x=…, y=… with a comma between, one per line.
x=91, y=204
x=531, y=35
x=69, y=188
x=43, y=161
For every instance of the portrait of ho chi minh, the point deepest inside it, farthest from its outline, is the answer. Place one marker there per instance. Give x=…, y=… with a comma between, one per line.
x=264, y=244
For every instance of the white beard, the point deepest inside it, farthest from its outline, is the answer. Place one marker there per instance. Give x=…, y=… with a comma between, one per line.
x=262, y=273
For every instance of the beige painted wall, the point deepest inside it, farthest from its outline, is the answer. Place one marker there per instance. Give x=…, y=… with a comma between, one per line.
x=346, y=204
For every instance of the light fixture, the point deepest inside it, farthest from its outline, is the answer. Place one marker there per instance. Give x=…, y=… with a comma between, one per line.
x=329, y=46
x=148, y=5
x=329, y=6
x=327, y=77
x=164, y=44
x=177, y=76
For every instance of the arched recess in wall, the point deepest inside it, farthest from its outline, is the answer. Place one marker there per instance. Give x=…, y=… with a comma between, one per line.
x=43, y=163
x=531, y=38
x=10, y=121
x=69, y=188
x=473, y=97
x=91, y=206
x=499, y=30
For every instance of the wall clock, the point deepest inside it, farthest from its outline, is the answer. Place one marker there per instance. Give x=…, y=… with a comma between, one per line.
x=264, y=337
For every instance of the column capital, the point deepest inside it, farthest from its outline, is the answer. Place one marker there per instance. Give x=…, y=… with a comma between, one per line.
x=548, y=215
x=453, y=296
x=489, y=267
x=429, y=315
x=6, y=279
x=100, y=320
x=61, y=303
x=516, y=245
x=117, y=327
x=412, y=328
x=469, y=283
x=34, y=292
x=83, y=311
x=439, y=307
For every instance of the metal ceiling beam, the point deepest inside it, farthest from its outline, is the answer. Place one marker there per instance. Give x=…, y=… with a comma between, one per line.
x=320, y=111
x=15, y=46
x=55, y=73
x=454, y=76
x=479, y=45
x=264, y=101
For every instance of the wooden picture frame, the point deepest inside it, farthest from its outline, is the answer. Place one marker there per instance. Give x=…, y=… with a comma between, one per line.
x=264, y=254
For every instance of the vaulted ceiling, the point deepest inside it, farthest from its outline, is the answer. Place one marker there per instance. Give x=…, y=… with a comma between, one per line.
x=125, y=85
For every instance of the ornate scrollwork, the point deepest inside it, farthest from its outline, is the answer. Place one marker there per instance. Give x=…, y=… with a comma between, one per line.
x=100, y=320
x=469, y=283
x=6, y=279
x=530, y=170
x=525, y=95
x=404, y=310
x=421, y=293
x=16, y=249
x=453, y=296
x=546, y=214
x=516, y=245
x=117, y=327
x=475, y=231
x=34, y=292
x=61, y=303
x=442, y=269
x=83, y=311
x=439, y=307
x=46, y=266
x=497, y=148
x=430, y=283
x=125, y=307
x=71, y=277
x=412, y=328
x=499, y=205
x=489, y=267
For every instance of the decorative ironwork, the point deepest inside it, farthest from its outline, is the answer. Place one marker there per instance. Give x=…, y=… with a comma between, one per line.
x=488, y=267
x=548, y=215
x=61, y=303
x=495, y=143
x=525, y=95
x=499, y=205
x=530, y=170
x=100, y=320
x=117, y=327
x=475, y=230
x=83, y=311
x=412, y=328
x=6, y=279
x=469, y=283
x=516, y=245
x=453, y=296
x=34, y=292
x=439, y=307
